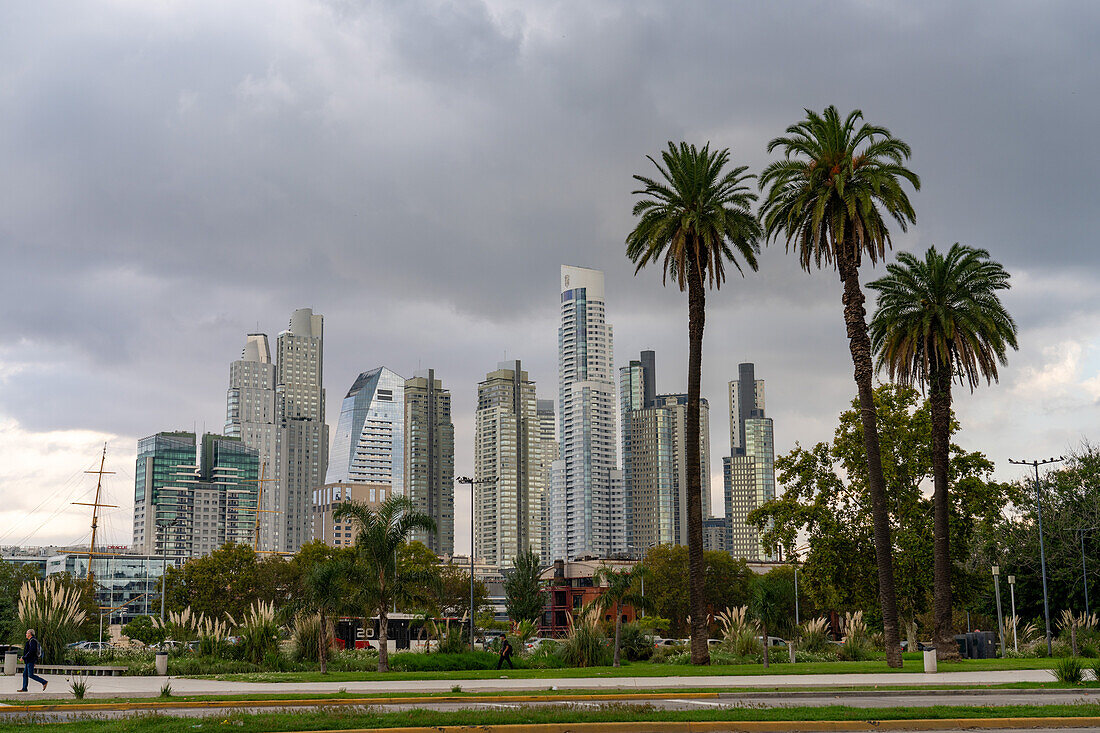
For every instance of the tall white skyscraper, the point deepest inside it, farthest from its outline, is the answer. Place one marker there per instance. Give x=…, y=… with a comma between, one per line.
x=278, y=408
x=587, y=513
x=550, y=450
x=509, y=466
x=749, y=472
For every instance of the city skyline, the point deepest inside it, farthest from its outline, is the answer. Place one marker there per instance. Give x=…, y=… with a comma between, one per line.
x=260, y=162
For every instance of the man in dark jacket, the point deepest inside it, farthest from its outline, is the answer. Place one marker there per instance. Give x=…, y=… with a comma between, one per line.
x=30, y=658
x=505, y=654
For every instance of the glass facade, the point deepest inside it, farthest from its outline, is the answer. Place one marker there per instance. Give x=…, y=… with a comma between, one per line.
x=126, y=586
x=369, y=446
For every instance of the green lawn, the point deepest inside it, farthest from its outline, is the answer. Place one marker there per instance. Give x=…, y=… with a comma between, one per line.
x=344, y=719
x=912, y=663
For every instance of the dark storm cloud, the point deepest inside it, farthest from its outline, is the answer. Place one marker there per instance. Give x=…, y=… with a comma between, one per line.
x=176, y=175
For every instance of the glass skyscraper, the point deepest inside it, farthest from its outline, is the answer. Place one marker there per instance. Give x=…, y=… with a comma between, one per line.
x=430, y=459
x=369, y=446
x=587, y=512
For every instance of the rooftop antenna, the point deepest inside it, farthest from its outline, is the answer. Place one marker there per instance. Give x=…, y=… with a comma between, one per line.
x=95, y=509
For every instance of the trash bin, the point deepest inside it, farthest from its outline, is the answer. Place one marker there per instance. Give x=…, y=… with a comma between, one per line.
x=929, y=660
x=11, y=659
x=162, y=664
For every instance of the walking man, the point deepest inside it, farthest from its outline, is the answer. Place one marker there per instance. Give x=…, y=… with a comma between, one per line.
x=505, y=654
x=31, y=653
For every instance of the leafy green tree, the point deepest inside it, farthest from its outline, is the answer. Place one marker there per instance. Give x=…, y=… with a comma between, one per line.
x=830, y=198
x=695, y=217
x=453, y=597
x=1071, y=508
x=623, y=589
x=937, y=319
x=144, y=630
x=773, y=605
x=382, y=531
x=12, y=578
x=727, y=582
x=225, y=581
x=523, y=596
x=826, y=499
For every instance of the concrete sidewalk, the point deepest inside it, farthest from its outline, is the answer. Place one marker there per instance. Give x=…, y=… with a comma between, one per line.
x=151, y=686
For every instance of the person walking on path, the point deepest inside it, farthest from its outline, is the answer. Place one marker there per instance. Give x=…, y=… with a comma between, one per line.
x=505, y=654
x=30, y=658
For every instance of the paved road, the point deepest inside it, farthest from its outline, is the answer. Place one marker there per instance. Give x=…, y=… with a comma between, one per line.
x=751, y=700
x=151, y=686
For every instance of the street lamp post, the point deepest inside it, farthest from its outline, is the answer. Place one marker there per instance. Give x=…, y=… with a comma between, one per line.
x=1042, y=549
x=470, y=482
x=1084, y=568
x=1000, y=620
x=1012, y=594
x=163, y=526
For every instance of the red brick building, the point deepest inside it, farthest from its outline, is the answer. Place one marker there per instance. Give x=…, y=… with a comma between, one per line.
x=569, y=587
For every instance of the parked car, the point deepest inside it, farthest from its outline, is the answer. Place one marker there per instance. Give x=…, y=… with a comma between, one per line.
x=538, y=642
x=714, y=642
x=660, y=642
x=91, y=646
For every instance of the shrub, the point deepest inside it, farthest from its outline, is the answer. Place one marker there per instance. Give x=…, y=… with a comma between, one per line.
x=665, y=654
x=259, y=633
x=634, y=645
x=814, y=635
x=53, y=611
x=354, y=660
x=1096, y=671
x=585, y=645
x=415, y=662
x=306, y=639
x=1069, y=670
x=166, y=689
x=1057, y=649
x=545, y=657
x=79, y=688
x=143, y=629
x=857, y=645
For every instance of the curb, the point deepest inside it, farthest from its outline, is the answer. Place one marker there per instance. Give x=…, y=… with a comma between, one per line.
x=770, y=726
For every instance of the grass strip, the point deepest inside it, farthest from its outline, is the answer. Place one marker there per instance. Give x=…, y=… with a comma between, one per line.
x=371, y=718
x=646, y=669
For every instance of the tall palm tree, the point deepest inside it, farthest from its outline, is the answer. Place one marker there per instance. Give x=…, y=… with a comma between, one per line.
x=381, y=532
x=620, y=592
x=830, y=197
x=939, y=319
x=697, y=217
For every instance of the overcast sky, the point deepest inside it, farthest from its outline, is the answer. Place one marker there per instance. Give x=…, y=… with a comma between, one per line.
x=177, y=174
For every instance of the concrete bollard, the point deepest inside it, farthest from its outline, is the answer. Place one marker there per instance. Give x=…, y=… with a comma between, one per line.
x=162, y=664
x=11, y=659
x=791, y=649
x=929, y=660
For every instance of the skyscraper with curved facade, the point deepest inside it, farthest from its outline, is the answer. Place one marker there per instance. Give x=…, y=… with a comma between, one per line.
x=369, y=446
x=587, y=513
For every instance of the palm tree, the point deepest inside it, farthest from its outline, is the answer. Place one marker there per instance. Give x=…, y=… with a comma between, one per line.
x=772, y=605
x=326, y=592
x=937, y=319
x=381, y=532
x=619, y=592
x=697, y=216
x=830, y=198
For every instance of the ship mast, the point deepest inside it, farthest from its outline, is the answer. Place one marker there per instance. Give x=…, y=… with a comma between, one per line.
x=95, y=509
x=259, y=497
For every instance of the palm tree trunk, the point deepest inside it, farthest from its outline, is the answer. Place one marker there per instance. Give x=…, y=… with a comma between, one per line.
x=383, y=638
x=322, y=645
x=618, y=631
x=855, y=319
x=696, y=319
x=940, y=398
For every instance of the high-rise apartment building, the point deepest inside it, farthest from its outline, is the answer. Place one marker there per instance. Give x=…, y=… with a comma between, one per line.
x=655, y=469
x=279, y=409
x=191, y=497
x=369, y=446
x=512, y=456
x=587, y=514
x=749, y=472
x=550, y=449
x=430, y=459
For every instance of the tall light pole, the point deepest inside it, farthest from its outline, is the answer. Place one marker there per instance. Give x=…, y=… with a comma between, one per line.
x=1012, y=593
x=1042, y=550
x=470, y=482
x=1084, y=569
x=1000, y=620
x=163, y=525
